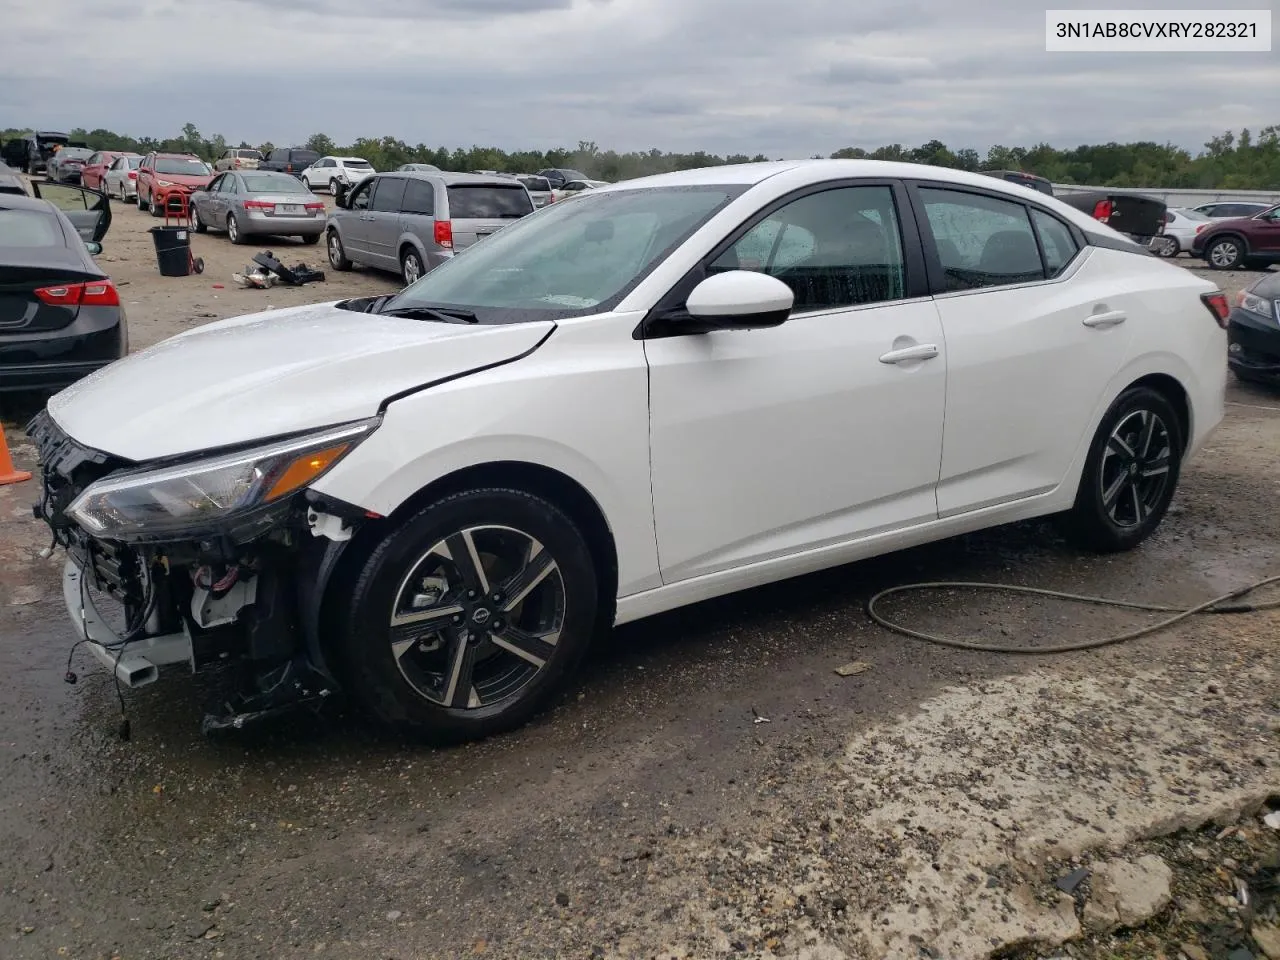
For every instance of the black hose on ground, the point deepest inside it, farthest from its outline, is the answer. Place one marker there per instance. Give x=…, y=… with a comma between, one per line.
x=1216, y=605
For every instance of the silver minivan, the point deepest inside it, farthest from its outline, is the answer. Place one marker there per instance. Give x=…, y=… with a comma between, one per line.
x=411, y=222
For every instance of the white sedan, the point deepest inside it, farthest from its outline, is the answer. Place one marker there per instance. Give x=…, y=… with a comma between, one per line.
x=671, y=389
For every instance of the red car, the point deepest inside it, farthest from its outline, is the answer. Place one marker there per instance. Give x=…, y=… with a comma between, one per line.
x=1249, y=242
x=94, y=172
x=164, y=177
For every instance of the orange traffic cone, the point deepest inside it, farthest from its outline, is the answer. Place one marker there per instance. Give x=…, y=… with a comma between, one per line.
x=7, y=472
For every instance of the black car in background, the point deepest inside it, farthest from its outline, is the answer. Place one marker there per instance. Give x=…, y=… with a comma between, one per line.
x=31, y=154
x=1141, y=218
x=559, y=176
x=1253, y=332
x=60, y=314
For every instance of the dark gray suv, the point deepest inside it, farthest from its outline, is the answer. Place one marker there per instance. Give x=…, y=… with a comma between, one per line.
x=411, y=222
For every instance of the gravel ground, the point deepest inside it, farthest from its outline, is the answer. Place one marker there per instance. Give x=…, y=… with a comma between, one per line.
x=919, y=808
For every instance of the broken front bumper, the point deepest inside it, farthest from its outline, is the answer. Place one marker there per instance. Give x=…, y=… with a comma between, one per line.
x=136, y=663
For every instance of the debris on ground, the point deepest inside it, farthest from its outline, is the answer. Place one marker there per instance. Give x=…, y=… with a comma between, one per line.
x=294, y=276
x=256, y=278
x=853, y=669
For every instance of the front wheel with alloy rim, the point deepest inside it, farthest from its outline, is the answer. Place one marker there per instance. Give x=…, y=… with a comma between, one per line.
x=411, y=266
x=198, y=225
x=465, y=619
x=137, y=198
x=337, y=258
x=153, y=207
x=1130, y=475
x=1225, y=253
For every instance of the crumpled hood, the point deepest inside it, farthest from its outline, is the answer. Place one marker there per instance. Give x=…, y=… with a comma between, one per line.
x=266, y=374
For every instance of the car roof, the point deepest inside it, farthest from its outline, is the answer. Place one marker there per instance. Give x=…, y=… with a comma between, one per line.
x=15, y=202
x=178, y=156
x=449, y=179
x=349, y=159
x=9, y=179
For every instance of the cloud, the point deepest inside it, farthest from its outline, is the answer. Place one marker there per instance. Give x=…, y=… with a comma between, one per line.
x=729, y=76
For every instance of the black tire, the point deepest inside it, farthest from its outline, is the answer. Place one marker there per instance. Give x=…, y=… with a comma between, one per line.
x=337, y=256
x=378, y=678
x=411, y=266
x=198, y=225
x=1128, y=518
x=333, y=187
x=154, y=208
x=233, y=230
x=137, y=199
x=197, y=265
x=1225, y=253
x=311, y=240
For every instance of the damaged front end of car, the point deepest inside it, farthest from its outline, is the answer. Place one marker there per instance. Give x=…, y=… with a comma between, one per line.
x=219, y=560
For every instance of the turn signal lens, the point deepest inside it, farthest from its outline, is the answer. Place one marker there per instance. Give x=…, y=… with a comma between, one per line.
x=305, y=469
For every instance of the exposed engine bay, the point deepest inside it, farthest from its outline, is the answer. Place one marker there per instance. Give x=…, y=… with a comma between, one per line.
x=242, y=596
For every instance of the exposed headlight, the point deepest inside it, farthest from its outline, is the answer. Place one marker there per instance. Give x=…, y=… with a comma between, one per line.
x=1259, y=305
x=164, y=183
x=209, y=493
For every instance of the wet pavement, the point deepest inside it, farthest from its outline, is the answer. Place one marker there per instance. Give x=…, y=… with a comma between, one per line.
x=647, y=814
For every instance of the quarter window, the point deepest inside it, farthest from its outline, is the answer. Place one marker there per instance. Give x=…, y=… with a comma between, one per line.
x=981, y=241
x=419, y=197
x=837, y=248
x=1056, y=240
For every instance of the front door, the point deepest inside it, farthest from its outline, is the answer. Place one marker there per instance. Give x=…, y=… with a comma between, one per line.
x=88, y=210
x=766, y=443
x=1264, y=233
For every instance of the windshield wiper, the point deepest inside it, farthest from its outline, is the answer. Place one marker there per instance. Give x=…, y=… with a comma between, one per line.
x=450, y=315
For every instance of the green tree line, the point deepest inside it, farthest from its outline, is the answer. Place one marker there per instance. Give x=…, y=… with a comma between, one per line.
x=1244, y=161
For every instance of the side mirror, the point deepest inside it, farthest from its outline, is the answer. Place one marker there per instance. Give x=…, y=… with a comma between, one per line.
x=93, y=246
x=740, y=299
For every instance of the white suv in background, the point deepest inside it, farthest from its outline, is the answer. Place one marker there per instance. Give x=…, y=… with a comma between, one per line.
x=332, y=171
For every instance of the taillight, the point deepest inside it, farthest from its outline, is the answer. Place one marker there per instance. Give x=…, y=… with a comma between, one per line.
x=444, y=234
x=314, y=206
x=1201, y=227
x=1103, y=209
x=133, y=174
x=95, y=293
x=237, y=161
x=258, y=205
x=1218, y=306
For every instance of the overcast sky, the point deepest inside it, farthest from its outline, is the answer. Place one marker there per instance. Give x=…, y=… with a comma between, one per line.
x=784, y=77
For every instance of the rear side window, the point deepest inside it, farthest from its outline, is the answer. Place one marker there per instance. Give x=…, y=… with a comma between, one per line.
x=29, y=228
x=305, y=156
x=488, y=202
x=1055, y=238
x=388, y=195
x=420, y=198
x=981, y=241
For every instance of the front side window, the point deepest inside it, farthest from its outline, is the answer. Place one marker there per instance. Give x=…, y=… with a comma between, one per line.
x=836, y=248
x=568, y=260
x=981, y=241
x=360, y=199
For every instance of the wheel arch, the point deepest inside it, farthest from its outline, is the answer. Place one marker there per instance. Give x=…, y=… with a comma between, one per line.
x=1228, y=235
x=410, y=242
x=552, y=485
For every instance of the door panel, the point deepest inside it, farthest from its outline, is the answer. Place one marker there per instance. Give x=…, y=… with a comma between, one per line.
x=1032, y=341
x=382, y=229
x=88, y=210
x=774, y=441
x=355, y=222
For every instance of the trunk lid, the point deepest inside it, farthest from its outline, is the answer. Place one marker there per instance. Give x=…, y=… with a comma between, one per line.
x=1137, y=216
x=22, y=312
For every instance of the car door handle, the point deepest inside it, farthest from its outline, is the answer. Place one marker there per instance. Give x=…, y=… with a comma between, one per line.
x=1108, y=318
x=921, y=351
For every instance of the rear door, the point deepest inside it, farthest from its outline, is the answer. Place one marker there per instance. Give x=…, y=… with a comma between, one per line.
x=1032, y=341
x=88, y=210
x=418, y=210
x=383, y=231
x=479, y=209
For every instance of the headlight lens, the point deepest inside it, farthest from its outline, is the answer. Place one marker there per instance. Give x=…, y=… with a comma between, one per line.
x=164, y=183
x=206, y=492
x=1256, y=304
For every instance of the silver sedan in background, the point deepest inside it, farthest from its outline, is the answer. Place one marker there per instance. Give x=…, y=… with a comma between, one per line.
x=1180, y=228
x=258, y=202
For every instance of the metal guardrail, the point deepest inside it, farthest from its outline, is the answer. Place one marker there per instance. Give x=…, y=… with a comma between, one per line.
x=1179, y=198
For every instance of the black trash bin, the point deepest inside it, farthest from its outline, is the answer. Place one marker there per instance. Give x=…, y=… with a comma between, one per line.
x=173, y=250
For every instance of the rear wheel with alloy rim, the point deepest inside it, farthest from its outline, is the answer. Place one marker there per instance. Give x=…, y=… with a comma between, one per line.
x=198, y=225
x=233, y=229
x=154, y=207
x=411, y=266
x=467, y=618
x=1130, y=475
